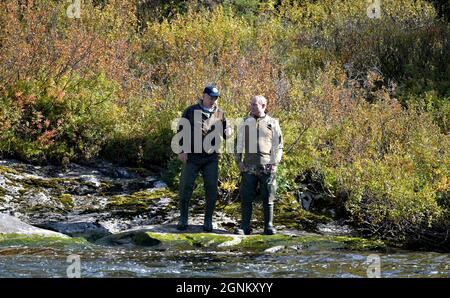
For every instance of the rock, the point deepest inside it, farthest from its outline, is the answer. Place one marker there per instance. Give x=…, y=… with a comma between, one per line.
x=6, y=187
x=138, y=238
x=195, y=238
x=38, y=199
x=144, y=239
x=306, y=200
x=83, y=190
x=274, y=249
x=2, y=181
x=92, y=180
x=150, y=179
x=91, y=231
x=236, y=240
x=296, y=247
x=12, y=225
x=335, y=229
x=159, y=184
x=122, y=173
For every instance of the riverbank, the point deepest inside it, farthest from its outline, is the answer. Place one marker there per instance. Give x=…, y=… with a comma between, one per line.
x=121, y=223
x=95, y=201
x=103, y=200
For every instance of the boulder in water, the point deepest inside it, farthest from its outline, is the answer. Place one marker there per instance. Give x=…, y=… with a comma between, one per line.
x=12, y=225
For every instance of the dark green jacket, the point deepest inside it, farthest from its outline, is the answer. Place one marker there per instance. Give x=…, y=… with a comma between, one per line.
x=208, y=120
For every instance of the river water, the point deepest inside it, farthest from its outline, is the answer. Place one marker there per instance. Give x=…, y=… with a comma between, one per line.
x=100, y=261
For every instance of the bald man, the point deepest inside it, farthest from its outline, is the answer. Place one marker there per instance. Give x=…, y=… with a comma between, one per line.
x=259, y=151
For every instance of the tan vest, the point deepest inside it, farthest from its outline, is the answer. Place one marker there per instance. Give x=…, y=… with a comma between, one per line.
x=258, y=140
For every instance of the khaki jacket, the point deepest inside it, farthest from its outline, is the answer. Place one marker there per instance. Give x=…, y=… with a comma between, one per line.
x=259, y=141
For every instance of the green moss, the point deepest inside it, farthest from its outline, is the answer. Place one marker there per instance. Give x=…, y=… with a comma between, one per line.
x=66, y=200
x=261, y=242
x=140, y=199
x=190, y=239
x=2, y=192
x=7, y=240
x=83, y=181
x=110, y=188
x=288, y=212
x=167, y=240
x=22, y=191
x=315, y=242
x=7, y=170
x=299, y=219
x=252, y=243
x=44, y=183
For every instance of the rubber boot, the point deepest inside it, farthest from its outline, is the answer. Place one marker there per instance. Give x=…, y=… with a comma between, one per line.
x=268, y=220
x=207, y=225
x=209, y=210
x=246, y=217
x=183, y=221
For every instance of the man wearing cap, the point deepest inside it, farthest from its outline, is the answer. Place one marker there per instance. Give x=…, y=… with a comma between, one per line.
x=207, y=126
x=260, y=137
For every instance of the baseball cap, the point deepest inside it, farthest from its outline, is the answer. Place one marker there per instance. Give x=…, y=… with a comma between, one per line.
x=211, y=90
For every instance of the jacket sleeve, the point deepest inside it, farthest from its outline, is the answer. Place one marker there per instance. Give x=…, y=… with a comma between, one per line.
x=277, y=143
x=240, y=142
x=224, y=123
x=186, y=115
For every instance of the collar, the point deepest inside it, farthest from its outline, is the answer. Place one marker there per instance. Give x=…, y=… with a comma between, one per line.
x=213, y=109
x=251, y=115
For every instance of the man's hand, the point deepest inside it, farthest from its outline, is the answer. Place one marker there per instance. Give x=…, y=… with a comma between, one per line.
x=182, y=157
x=273, y=168
x=241, y=166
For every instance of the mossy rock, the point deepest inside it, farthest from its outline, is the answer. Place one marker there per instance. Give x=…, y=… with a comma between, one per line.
x=53, y=183
x=140, y=200
x=299, y=219
x=310, y=242
x=138, y=238
x=262, y=242
x=190, y=239
x=66, y=200
x=177, y=241
x=144, y=239
x=8, y=240
x=248, y=244
x=110, y=188
x=7, y=170
x=288, y=212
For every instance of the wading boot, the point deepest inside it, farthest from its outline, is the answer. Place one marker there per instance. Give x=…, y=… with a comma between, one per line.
x=268, y=220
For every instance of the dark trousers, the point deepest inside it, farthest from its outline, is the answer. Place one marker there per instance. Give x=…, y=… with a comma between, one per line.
x=267, y=186
x=209, y=169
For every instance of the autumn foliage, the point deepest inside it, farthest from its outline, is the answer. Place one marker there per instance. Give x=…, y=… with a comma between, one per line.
x=364, y=103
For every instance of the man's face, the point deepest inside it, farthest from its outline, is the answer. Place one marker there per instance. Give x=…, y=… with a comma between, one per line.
x=257, y=108
x=209, y=101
